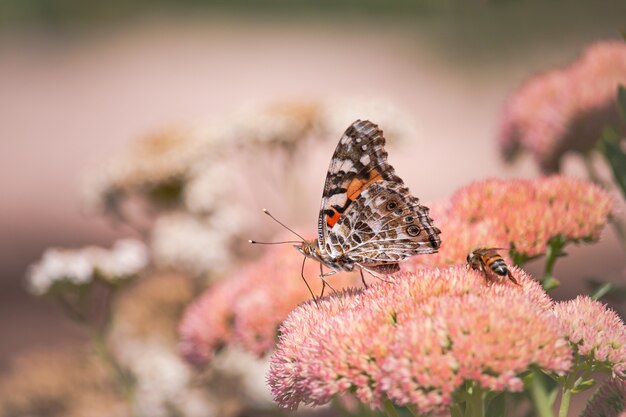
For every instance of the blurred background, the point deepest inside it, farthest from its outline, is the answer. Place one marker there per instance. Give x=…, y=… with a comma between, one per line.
x=79, y=81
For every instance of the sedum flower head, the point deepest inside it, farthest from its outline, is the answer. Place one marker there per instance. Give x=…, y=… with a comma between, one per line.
x=247, y=308
x=532, y=212
x=461, y=238
x=565, y=109
x=609, y=401
x=595, y=331
x=416, y=340
x=206, y=324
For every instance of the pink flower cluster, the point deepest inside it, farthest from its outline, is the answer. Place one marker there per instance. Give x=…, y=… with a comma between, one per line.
x=247, y=308
x=417, y=340
x=526, y=214
x=595, y=331
x=565, y=109
x=609, y=401
x=460, y=238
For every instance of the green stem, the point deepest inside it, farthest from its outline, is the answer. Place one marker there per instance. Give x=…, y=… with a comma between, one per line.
x=476, y=402
x=97, y=335
x=390, y=409
x=566, y=396
x=554, y=251
x=413, y=410
x=455, y=411
x=566, y=393
x=539, y=395
x=123, y=378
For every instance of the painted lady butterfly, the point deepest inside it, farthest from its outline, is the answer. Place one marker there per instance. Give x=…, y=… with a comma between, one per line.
x=368, y=219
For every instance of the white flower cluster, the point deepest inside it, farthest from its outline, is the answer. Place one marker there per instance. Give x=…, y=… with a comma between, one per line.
x=263, y=124
x=207, y=188
x=79, y=266
x=336, y=115
x=189, y=243
x=163, y=381
x=158, y=158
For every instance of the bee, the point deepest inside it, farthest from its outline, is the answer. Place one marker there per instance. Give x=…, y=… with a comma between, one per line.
x=488, y=259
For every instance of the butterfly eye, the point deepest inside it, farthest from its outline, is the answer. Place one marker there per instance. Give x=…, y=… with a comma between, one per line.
x=391, y=205
x=409, y=219
x=413, y=230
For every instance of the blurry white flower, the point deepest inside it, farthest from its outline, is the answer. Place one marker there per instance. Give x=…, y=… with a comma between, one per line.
x=157, y=162
x=281, y=124
x=184, y=242
x=57, y=265
x=126, y=258
x=336, y=115
x=162, y=380
x=211, y=184
x=251, y=370
x=79, y=266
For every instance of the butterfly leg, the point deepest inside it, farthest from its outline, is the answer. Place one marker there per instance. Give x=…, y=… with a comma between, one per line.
x=324, y=282
x=363, y=278
x=307, y=284
x=372, y=273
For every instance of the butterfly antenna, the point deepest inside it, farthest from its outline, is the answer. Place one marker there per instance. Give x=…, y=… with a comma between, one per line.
x=255, y=242
x=279, y=222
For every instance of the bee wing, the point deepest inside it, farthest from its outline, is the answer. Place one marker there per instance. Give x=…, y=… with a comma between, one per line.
x=488, y=251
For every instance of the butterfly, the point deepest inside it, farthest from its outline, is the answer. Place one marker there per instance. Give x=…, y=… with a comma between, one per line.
x=368, y=219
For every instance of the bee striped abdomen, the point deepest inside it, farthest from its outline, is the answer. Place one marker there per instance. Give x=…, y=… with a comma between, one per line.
x=498, y=266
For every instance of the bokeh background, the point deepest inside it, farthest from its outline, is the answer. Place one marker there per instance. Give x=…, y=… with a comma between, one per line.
x=80, y=80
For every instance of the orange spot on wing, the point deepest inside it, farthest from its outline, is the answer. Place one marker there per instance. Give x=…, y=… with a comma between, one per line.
x=354, y=188
x=332, y=220
x=357, y=185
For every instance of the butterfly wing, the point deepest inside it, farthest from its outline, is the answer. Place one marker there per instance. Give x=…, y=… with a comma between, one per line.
x=359, y=160
x=367, y=213
x=385, y=225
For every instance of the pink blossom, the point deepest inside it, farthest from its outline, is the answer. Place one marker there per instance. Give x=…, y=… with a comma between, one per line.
x=416, y=340
x=595, y=331
x=247, y=308
x=206, y=325
x=461, y=238
x=566, y=108
x=609, y=401
x=294, y=354
x=531, y=212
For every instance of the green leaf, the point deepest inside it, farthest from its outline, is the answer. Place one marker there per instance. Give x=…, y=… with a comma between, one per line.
x=584, y=385
x=615, y=292
x=615, y=156
x=455, y=411
x=550, y=283
x=601, y=291
x=497, y=406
